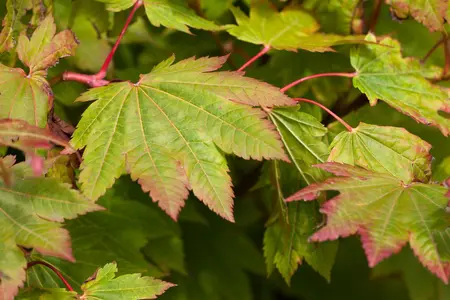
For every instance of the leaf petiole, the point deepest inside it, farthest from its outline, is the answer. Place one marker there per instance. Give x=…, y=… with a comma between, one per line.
x=292, y=84
x=55, y=270
x=346, y=125
x=254, y=58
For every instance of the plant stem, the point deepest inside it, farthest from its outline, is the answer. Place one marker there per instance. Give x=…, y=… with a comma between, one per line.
x=349, y=128
x=55, y=270
x=440, y=42
x=375, y=15
x=97, y=80
x=292, y=84
x=254, y=58
x=102, y=73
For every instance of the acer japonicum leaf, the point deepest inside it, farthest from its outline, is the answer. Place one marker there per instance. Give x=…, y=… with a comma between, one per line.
x=174, y=14
x=28, y=96
x=430, y=13
x=384, y=149
x=31, y=213
x=384, y=211
x=290, y=29
x=104, y=285
x=11, y=25
x=382, y=73
x=164, y=130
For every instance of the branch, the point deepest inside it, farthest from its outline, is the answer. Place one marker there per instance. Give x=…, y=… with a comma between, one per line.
x=375, y=15
x=292, y=84
x=440, y=42
x=55, y=270
x=255, y=58
x=97, y=80
x=349, y=128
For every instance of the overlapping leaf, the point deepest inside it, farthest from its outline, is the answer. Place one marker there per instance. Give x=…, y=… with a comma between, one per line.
x=391, y=150
x=169, y=13
x=105, y=285
x=27, y=96
x=382, y=73
x=290, y=29
x=31, y=211
x=165, y=127
x=286, y=238
x=384, y=211
x=430, y=13
x=12, y=26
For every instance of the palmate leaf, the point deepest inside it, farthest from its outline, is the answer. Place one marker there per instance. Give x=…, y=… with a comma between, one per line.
x=385, y=212
x=384, y=149
x=27, y=96
x=106, y=286
x=31, y=211
x=430, y=13
x=165, y=129
x=169, y=13
x=290, y=29
x=286, y=238
x=382, y=73
x=12, y=26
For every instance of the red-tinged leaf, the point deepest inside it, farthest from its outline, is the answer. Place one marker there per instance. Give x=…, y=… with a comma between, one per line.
x=12, y=25
x=383, y=73
x=165, y=128
x=31, y=213
x=430, y=13
x=25, y=137
x=386, y=213
x=44, y=49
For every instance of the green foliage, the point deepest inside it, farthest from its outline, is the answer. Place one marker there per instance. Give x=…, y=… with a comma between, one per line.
x=128, y=174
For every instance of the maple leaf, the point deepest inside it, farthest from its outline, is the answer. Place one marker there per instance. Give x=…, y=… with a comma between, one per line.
x=290, y=29
x=31, y=211
x=169, y=13
x=382, y=73
x=384, y=149
x=27, y=96
x=384, y=211
x=11, y=23
x=47, y=294
x=166, y=126
x=430, y=13
x=104, y=285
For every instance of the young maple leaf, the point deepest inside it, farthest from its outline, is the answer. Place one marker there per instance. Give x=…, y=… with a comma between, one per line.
x=165, y=128
x=104, y=285
x=384, y=211
x=31, y=210
x=430, y=13
x=12, y=26
x=174, y=14
x=382, y=73
x=384, y=149
x=290, y=29
x=27, y=96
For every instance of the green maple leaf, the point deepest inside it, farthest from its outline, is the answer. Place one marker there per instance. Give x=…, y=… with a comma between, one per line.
x=104, y=285
x=290, y=29
x=169, y=13
x=382, y=73
x=286, y=238
x=27, y=96
x=391, y=150
x=46, y=294
x=165, y=128
x=31, y=210
x=384, y=211
x=430, y=13
x=12, y=26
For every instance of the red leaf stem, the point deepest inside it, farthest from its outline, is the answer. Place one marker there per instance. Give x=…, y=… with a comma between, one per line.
x=254, y=58
x=292, y=84
x=349, y=128
x=55, y=270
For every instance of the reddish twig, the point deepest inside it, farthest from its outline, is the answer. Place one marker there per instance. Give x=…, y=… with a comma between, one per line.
x=255, y=58
x=349, y=128
x=97, y=80
x=440, y=42
x=292, y=84
x=375, y=15
x=55, y=270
